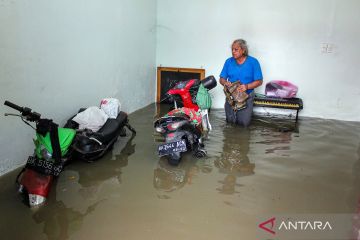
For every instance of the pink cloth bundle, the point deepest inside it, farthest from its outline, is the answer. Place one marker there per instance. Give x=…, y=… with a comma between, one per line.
x=281, y=89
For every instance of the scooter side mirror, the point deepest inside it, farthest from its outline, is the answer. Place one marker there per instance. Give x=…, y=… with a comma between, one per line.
x=170, y=97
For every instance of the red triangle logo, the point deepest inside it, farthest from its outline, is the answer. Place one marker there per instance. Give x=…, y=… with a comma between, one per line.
x=264, y=227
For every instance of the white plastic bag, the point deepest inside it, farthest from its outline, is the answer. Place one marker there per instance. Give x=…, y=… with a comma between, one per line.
x=205, y=120
x=111, y=107
x=92, y=118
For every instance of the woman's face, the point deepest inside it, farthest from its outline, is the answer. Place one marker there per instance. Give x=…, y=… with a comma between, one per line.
x=236, y=51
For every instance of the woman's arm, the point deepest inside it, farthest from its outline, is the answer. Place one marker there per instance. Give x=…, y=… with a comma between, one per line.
x=253, y=85
x=224, y=82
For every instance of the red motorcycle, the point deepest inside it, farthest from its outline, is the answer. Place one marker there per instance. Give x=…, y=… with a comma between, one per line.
x=182, y=127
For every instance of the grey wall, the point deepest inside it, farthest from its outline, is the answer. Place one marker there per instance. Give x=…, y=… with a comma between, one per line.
x=57, y=56
x=286, y=36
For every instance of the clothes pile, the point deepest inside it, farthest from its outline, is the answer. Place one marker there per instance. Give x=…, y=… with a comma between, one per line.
x=234, y=97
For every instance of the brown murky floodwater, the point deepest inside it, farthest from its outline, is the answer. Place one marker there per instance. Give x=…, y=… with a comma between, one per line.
x=132, y=194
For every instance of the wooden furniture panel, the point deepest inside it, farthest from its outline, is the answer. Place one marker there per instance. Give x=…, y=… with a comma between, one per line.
x=167, y=77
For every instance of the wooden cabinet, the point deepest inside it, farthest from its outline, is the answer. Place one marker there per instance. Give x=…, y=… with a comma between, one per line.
x=167, y=77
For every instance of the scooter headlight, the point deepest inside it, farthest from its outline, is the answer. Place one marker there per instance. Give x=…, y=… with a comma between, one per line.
x=46, y=154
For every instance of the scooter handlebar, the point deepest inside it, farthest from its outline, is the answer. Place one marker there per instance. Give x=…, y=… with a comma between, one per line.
x=26, y=112
x=14, y=106
x=170, y=97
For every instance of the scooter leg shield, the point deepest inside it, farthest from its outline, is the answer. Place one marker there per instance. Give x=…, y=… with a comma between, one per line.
x=37, y=186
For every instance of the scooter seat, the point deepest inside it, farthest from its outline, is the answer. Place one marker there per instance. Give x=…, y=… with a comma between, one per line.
x=111, y=128
x=169, y=119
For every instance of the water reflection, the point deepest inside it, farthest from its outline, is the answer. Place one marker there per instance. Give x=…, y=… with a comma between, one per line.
x=77, y=191
x=234, y=161
x=279, y=141
x=108, y=168
x=277, y=135
x=59, y=221
x=168, y=178
x=356, y=217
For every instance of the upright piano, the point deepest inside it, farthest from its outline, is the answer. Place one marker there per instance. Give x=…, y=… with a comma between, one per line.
x=284, y=103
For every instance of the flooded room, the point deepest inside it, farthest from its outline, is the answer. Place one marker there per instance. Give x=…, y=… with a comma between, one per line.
x=180, y=120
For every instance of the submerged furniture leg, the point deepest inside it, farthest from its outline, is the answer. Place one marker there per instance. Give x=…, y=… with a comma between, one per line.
x=297, y=113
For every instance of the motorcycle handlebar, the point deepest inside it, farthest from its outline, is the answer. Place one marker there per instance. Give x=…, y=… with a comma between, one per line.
x=26, y=112
x=167, y=97
x=14, y=106
x=170, y=97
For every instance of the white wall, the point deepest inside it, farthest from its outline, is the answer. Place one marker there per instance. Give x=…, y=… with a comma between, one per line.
x=57, y=56
x=285, y=35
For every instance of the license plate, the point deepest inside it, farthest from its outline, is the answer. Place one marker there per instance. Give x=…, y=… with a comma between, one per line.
x=43, y=166
x=172, y=147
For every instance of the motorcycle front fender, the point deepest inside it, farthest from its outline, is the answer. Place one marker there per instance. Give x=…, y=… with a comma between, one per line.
x=36, y=185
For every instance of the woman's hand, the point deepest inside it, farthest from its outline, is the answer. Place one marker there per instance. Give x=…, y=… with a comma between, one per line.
x=227, y=83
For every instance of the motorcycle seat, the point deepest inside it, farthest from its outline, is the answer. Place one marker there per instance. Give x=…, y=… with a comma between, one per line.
x=111, y=128
x=170, y=119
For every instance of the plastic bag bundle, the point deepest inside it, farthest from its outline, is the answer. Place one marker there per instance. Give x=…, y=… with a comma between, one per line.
x=280, y=89
x=92, y=118
x=205, y=120
x=111, y=107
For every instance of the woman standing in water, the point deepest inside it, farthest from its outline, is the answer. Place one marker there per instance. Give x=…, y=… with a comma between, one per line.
x=246, y=69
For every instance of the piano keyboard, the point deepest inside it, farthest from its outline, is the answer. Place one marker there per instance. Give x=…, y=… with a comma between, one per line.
x=288, y=103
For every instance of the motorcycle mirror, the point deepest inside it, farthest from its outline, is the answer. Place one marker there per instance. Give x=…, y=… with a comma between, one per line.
x=171, y=98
